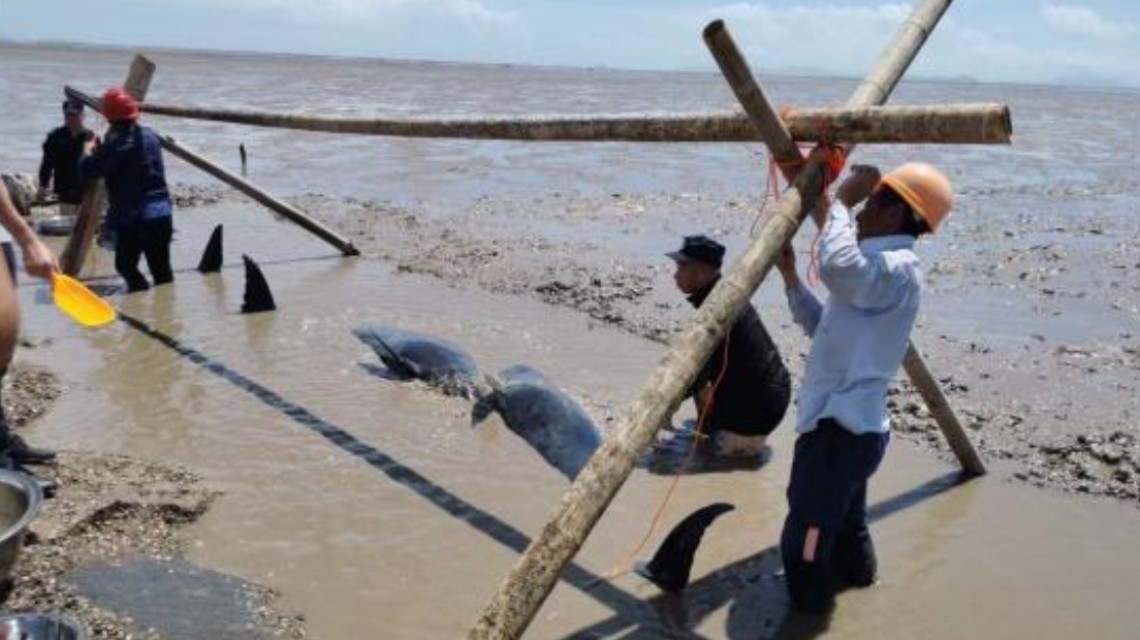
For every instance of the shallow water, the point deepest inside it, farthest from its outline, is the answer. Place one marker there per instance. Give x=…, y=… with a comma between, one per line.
x=378, y=511
x=1063, y=136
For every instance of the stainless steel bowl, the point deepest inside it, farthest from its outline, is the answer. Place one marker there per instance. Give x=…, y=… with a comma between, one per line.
x=41, y=626
x=20, y=502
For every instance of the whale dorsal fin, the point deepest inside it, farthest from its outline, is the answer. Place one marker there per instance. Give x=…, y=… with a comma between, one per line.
x=670, y=566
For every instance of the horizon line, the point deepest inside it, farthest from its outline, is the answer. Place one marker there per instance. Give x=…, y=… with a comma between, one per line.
x=785, y=72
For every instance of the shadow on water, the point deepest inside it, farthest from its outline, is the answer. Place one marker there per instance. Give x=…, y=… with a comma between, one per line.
x=626, y=605
x=752, y=588
x=382, y=372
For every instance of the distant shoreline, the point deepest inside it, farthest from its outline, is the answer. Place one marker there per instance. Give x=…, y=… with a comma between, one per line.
x=778, y=73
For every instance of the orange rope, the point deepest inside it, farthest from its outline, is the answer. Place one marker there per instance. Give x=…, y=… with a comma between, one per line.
x=835, y=157
x=626, y=564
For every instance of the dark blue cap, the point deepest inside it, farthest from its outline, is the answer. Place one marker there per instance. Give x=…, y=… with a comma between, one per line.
x=699, y=249
x=72, y=107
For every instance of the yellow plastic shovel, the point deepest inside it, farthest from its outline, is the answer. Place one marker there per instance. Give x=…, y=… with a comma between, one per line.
x=80, y=303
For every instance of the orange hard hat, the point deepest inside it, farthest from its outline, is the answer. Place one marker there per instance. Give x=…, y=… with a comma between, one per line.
x=118, y=105
x=924, y=188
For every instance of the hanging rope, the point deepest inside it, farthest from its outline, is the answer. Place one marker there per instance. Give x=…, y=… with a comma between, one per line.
x=832, y=156
x=625, y=565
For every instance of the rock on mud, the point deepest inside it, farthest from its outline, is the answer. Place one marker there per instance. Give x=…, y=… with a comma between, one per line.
x=22, y=190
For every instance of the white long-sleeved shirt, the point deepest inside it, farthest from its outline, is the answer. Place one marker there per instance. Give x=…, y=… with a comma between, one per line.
x=860, y=336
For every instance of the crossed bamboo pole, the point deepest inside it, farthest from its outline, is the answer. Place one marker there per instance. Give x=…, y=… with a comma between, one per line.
x=943, y=124
x=530, y=581
x=783, y=150
x=94, y=198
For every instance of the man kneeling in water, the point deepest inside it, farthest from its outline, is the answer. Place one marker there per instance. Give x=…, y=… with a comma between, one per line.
x=743, y=390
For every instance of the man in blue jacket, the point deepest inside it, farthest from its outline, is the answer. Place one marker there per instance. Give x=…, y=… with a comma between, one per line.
x=139, y=210
x=859, y=338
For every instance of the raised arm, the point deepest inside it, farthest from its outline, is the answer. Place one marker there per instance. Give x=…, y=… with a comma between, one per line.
x=867, y=282
x=805, y=307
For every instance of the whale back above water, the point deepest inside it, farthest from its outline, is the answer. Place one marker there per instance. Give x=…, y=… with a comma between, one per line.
x=549, y=420
x=416, y=356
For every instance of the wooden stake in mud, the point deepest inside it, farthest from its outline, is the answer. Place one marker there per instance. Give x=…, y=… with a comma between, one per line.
x=953, y=123
x=294, y=214
x=94, y=200
x=530, y=581
x=786, y=154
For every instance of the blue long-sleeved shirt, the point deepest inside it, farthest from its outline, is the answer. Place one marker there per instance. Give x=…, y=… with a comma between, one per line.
x=130, y=162
x=860, y=336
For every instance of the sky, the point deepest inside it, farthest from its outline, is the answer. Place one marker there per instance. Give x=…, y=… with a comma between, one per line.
x=1094, y=42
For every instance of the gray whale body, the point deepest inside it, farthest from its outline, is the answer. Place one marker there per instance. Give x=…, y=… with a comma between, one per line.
x=417, y=356
x=540, y=413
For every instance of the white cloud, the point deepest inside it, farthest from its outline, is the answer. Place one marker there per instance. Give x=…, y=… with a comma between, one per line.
x=468, y=11
x=838, y=37
x=482, y=13
x=995, y=55
x=1080, y=20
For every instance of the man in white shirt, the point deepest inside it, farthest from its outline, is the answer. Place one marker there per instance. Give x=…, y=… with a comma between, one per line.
x=859, y=338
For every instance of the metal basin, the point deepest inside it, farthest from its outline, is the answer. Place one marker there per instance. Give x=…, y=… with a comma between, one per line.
x=56, y=226
x=40, y=626
x=20, y=502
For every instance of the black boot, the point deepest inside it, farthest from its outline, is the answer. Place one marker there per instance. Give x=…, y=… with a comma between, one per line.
x=810, y=586
x=853, y=559
x=47, y=485
x=23, y=453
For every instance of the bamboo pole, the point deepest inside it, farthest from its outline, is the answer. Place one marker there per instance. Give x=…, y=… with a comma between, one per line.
x=94, y=198
x=952, y=123
x=343, y=244
x=294, y=214
x=530, y=581
x=87, y=220
x=139, y=77
x=783, y=149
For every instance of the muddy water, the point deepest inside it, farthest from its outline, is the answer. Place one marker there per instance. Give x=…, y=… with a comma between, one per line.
x=378, y=511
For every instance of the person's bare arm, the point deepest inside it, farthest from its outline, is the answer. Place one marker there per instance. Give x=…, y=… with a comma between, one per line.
x=38, y=259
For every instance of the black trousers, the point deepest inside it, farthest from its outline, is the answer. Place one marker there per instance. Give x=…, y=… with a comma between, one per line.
x=828, y=492
x=150, y=238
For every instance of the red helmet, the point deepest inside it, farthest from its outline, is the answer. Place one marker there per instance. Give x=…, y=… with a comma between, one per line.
x=119, y=105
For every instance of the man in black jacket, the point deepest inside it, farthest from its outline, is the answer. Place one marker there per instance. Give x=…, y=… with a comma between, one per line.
x=60, y=165
x=743, y=390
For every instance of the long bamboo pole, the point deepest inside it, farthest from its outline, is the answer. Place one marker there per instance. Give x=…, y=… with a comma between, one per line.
x=783, y=149
x=294, y=214
x=343, y=244
x=944, y=124
x=94, y=198
x=530, y=581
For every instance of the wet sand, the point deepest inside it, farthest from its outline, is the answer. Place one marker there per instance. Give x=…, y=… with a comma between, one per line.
x=373, y=507
x=1032, y=326
x=108, y=510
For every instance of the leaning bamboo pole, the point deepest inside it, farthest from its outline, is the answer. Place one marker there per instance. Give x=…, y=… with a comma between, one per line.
x=248, y=188
x=94, y=198
x=530, y=581
x=784, y=151
x=943, y=124
x=294, y=214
